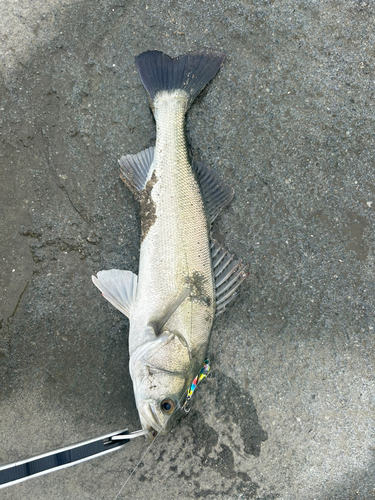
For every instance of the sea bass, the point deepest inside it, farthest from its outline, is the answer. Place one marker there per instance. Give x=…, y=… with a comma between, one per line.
x=185, y=277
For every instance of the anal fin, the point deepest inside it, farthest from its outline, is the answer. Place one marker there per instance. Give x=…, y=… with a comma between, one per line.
x=118, y=287
x=228, y=274
x=137, y=169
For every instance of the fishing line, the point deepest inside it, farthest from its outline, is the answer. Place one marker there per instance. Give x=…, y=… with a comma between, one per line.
x=147, y=449
x=135, y=468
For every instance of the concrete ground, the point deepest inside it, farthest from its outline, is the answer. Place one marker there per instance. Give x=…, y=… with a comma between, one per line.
x=289, y=123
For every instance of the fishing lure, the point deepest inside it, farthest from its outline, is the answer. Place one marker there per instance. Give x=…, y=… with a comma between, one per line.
x=201, y=375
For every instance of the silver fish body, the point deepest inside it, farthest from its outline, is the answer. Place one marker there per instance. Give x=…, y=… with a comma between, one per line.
x=174, y=260
x=183, y=274
x=175, y=251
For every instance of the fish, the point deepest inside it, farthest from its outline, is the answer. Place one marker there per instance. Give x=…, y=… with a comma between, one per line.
x=185, y=277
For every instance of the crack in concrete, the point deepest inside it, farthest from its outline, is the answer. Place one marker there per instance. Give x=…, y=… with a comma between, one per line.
x=57, y=181
x=17, y=305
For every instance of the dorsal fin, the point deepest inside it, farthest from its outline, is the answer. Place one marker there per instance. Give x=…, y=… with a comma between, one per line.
x=228, y=274
x=216, y=195
x=137, y=169
x=118, y=287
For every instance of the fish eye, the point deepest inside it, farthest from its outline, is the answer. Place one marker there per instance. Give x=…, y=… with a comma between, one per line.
x=167, y=405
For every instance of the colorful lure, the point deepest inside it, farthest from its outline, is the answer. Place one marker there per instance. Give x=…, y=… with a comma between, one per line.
x=201, y=375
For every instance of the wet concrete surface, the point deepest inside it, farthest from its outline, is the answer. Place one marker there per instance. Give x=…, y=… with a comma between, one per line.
x=289, y=123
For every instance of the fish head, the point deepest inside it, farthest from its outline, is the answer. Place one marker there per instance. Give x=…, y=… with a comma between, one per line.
x=160, y=370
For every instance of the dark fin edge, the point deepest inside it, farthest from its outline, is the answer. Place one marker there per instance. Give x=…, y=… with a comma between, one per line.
x=228, y=274
x=216, y=195
x=190, y=72
x=135, y=169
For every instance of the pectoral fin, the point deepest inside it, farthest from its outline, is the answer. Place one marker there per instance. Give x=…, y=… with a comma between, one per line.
x=118, y=287
x=158, y=323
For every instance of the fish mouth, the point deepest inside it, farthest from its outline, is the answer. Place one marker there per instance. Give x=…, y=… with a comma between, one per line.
x=152, y=434
x=149, y=419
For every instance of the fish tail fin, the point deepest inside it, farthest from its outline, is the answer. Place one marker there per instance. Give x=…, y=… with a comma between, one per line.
x=190, y=72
